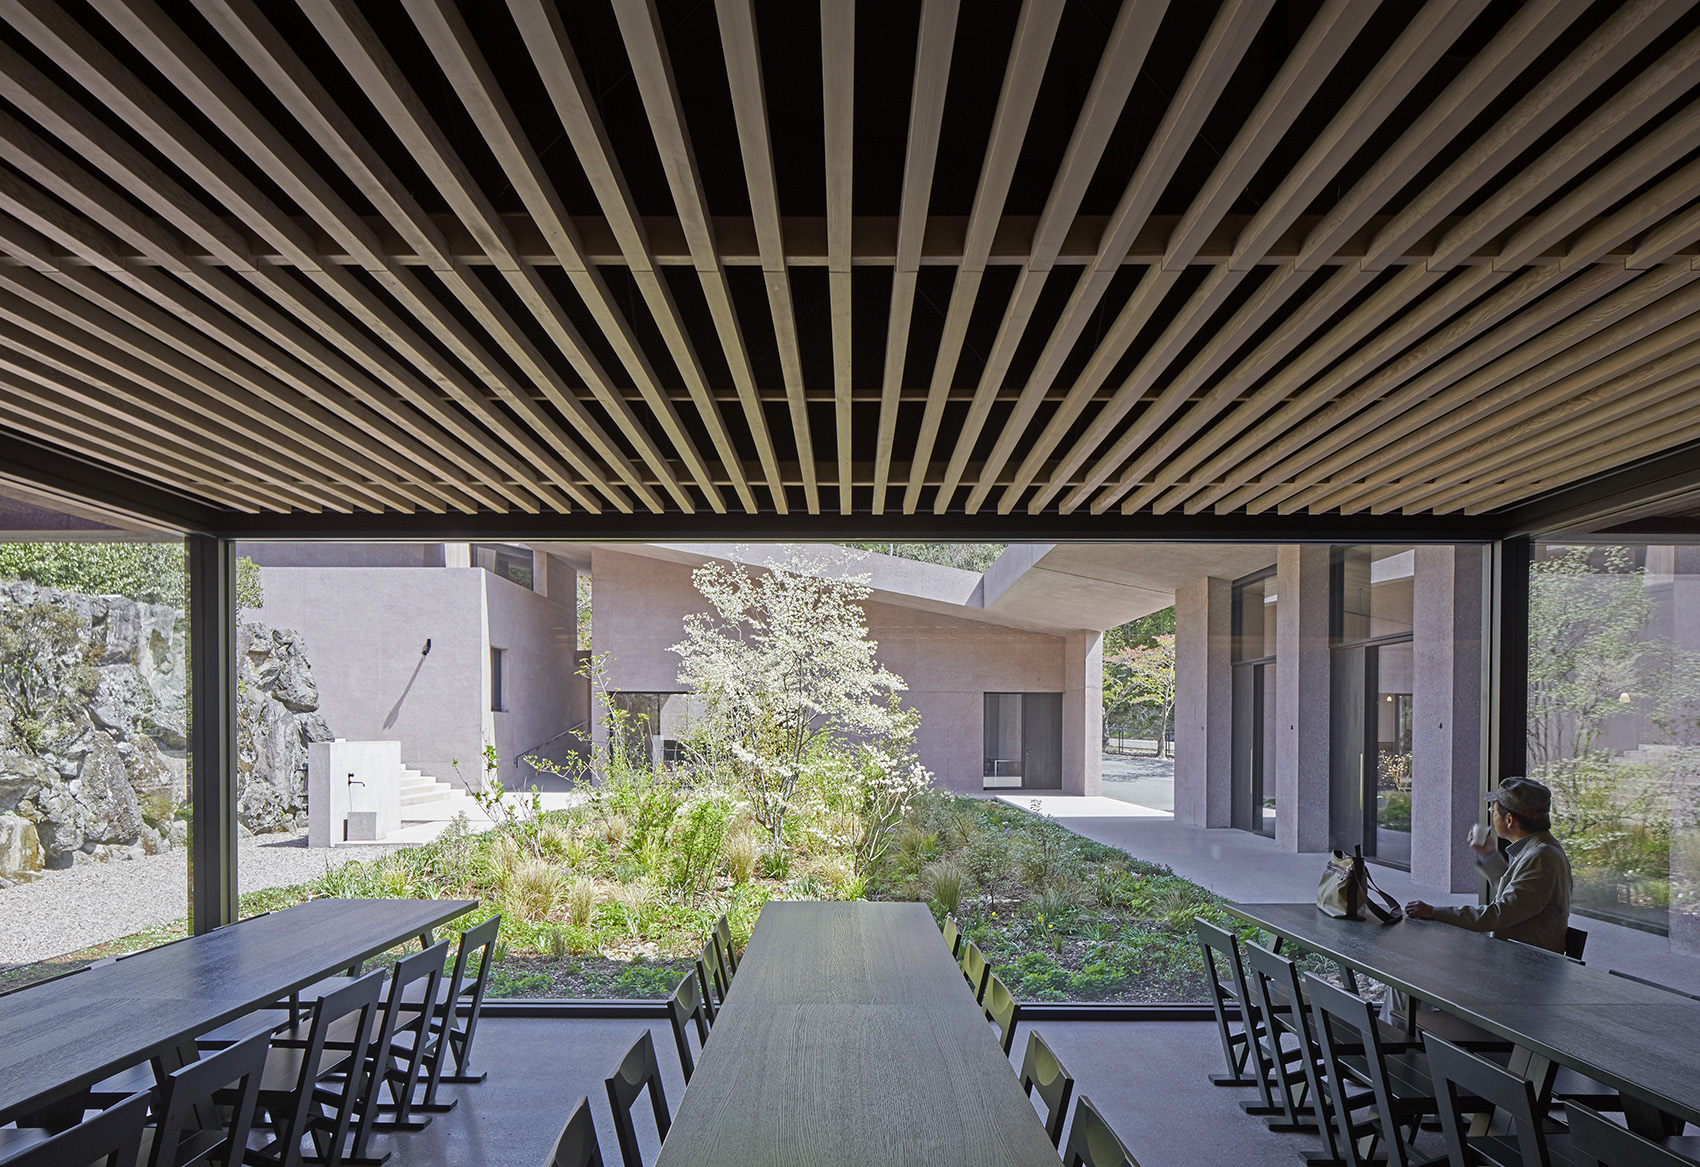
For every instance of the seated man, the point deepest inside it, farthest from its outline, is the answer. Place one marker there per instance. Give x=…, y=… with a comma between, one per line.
x=1532, y=891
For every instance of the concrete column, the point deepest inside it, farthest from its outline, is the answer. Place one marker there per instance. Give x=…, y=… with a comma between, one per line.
x=1083, y=713
x=1301, y=698
x=1447, y=712
x=1204, y=708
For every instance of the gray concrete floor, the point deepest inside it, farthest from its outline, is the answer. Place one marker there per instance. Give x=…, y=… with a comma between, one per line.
x=1147, y=1078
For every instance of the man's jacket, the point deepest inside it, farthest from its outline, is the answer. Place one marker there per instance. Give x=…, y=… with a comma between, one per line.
x=1532, y=899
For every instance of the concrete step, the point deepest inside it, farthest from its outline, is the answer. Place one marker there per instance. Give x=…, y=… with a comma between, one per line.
x=421, y=789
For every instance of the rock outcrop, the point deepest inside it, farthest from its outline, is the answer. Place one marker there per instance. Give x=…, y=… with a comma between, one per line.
x=103, y=773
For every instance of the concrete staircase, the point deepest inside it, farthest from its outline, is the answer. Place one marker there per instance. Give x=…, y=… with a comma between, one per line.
x=421, y=789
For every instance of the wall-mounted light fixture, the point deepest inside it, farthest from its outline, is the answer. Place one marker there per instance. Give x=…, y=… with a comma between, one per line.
x=426, y=651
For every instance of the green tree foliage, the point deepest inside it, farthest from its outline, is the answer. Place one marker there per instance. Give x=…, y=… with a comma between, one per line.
x=149, y=573
x=966, y=556
x=47, y=670
x=1143, y=676
x=1139, y=633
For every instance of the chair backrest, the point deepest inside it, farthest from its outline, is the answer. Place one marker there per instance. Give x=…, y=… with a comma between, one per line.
x=1273, y=982
x=723, y=933
x=577, y=1146
x=685, y=1008
x=1041, y=1071
x=975, y=969
x=1091, y=1142
x=189, y=1129
x=636, y=1070
x=1458, y=1074
x=705, y=987
x=357, y=999
x=1225, y=973
x=112, y=1138
x=1599, y=1142
x=479, y=940
x=1002, y=1010
x=1346, y=1026
x=1650, y=984
x=714, y=973
x=399, y=1017
x=1575, y=940
x=952, y=936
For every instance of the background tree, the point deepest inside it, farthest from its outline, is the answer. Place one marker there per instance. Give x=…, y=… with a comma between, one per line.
x=784, y=671
x=149, y=573
x=966, y=556
x=1144, y=675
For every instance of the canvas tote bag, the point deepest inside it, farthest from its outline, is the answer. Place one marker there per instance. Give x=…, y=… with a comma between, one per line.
x=1346, y=887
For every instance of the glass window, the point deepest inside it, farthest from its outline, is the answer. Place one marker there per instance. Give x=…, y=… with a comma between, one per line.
x=1254, y=611
x=1372, y=592
x=511, y=563
x=1614, y=723
x=497, y=658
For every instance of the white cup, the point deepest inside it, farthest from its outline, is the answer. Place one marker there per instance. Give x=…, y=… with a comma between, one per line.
x=1479, y=835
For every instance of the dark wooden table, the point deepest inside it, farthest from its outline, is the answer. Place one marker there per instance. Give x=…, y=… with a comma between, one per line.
x=850, y=1037
x=1636, y=1039
x=65, y=1035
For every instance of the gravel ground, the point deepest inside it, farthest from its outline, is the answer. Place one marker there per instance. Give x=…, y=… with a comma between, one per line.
x=68, y=910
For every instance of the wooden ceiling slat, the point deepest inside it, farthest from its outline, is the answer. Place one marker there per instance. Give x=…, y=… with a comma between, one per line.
x=300, y=92
x=1621, y=37
x=1118, y=69
x=459, y=57
x=1529, y=32
x=935, y=42
x=26, y=88
x=1431, y=32
x=1648, y=324
x=1034, y=33
x=138, y=329
x=1615, y=120
x=838, y=103
x=738, y=42
x=652, y=69
x=1231, y=35
x=540, y=27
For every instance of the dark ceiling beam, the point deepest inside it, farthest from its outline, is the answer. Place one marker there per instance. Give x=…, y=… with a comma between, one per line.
x=56, y=477
x=1634, y=493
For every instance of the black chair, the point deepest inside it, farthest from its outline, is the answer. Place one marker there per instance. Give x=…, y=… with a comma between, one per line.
x=454, y=1035
x=1397, y=1093
x=686, y=1008
x=1467, y=1084
x=1091, y=1142
x=952, y=936
x=404, y=1041
x=112, y=1138
x=1599, y=1142
x=636, y=1070
x=716, y=970
x=1298, y=1068
x=1226, y=977
x=577, y=1146
x=708, y=981
x=975, y=970
x=308, y=1091
x=723, y=933
x=189, y=1129
x=1617, y=972
x=1002, y=1010
x=1042, y=1071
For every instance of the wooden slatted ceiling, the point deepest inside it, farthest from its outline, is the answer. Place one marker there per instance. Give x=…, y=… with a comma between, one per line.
x=1050, y=256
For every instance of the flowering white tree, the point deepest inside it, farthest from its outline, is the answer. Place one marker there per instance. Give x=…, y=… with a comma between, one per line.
x=783, y=670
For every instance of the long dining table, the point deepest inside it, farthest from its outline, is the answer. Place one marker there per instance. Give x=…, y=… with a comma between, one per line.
x=1637, y=1039
x=62, y=1036
x=849, y=1036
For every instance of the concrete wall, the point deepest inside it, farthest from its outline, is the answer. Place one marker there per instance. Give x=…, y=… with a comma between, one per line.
x=542, y=698
x=1204, y=703
x=949, y=664
x=1302, y=698
x=343, y=554
x=1449, y=661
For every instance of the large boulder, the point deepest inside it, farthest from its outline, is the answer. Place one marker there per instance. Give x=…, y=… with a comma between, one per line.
x=58, y=819
x=277, y=722
x=111, y=813
x=121, y=701
x=158, y=783
x=21, y=856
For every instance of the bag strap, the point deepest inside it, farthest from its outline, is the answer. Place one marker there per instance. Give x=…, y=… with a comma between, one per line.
x=1393, y=913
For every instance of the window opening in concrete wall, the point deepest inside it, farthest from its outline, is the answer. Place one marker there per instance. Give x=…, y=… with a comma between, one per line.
x=498, y=703
x=651, y=726
x=1371, y=619
x=514, y=564
x=1253, y=630
x=1023, y=741
x=1614, y=725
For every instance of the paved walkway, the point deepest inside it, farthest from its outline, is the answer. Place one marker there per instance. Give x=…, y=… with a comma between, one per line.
x=1135, y=814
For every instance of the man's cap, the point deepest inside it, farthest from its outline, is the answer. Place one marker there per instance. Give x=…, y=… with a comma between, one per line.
x=1523, y=796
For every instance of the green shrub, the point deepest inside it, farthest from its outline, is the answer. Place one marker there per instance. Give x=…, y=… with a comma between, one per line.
x=943, y=883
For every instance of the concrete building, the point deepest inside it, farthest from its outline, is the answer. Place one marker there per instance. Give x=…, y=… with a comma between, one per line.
x=445, y=647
